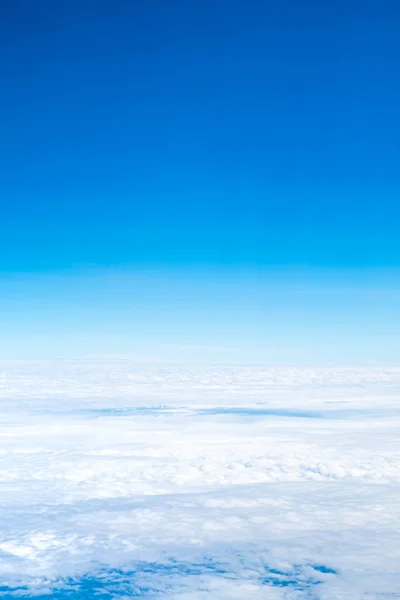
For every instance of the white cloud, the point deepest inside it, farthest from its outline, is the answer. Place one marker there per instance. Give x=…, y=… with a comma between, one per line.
x=144, y=481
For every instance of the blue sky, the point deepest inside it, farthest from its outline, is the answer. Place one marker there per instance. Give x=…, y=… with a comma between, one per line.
x=219, y=156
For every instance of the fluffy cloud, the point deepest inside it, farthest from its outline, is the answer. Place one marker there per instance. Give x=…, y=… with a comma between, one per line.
x=199, y=483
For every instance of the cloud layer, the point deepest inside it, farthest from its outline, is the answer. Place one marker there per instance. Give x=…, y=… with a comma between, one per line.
x=199, y=483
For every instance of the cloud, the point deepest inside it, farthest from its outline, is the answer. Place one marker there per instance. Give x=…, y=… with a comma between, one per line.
x=198, y=483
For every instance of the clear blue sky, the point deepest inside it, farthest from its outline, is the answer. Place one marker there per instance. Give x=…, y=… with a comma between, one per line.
x=209, y=145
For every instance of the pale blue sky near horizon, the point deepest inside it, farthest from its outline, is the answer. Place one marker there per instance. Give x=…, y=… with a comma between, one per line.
x=200, y=181
x=249, y=315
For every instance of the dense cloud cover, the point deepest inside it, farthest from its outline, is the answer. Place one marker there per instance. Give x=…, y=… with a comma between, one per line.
x=202, y=482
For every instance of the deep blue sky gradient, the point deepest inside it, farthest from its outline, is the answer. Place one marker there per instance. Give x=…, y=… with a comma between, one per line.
x=253, y=131
x=202, y=143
